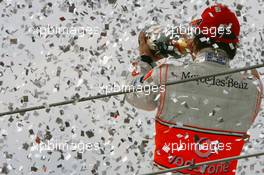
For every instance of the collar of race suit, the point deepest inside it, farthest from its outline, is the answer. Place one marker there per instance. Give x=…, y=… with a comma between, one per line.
x=212, y=55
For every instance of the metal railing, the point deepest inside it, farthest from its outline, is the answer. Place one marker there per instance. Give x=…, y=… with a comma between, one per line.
x=205, y=163
x=83, y=99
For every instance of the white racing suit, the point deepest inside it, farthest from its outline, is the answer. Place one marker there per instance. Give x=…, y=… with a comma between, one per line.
x=200, y=120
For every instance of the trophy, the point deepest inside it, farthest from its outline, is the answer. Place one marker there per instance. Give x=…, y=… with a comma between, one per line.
x=166, y=41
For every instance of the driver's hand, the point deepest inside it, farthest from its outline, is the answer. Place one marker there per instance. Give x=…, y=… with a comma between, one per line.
x=143, y=46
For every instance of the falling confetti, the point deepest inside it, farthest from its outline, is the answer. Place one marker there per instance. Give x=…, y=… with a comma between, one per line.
x=60, y=50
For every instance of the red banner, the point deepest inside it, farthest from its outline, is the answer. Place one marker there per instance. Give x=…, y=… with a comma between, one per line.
x=177, y=147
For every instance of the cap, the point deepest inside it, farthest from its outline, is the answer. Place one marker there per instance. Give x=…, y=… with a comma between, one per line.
x=219, y=23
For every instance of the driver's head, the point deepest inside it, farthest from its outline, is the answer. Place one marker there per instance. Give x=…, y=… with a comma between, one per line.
x=218, y=28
